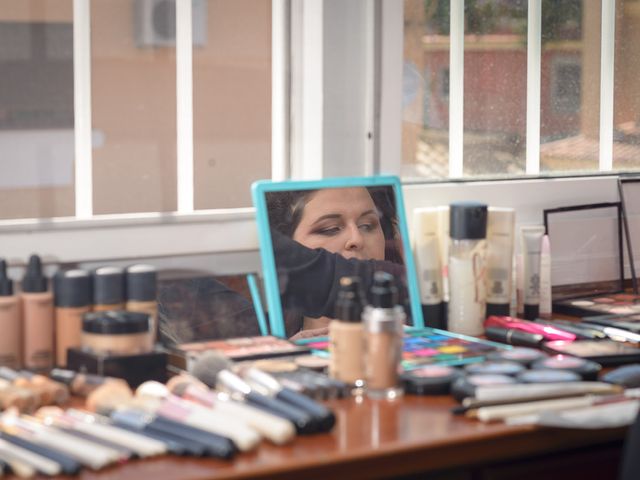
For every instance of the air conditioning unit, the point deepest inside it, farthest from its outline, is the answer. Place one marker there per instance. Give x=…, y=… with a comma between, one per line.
x=155, y=23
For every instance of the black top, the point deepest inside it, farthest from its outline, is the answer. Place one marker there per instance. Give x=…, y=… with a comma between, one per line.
x=6, y=284
x=115, y=322
x=142, y=281
x=34, y=281
x=467, y=220
x=309, y=279
x=108, y=286
x=72, y=288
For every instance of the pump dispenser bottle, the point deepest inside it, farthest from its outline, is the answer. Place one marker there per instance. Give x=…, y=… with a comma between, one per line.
x=11, y=338
x=467, y=277
x=37, y=311
x=346, y=336
x=384, y=320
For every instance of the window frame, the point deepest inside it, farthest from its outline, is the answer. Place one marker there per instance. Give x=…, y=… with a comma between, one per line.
x=199, y=232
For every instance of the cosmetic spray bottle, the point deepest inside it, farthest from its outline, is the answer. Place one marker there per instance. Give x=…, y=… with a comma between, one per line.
x=73, y=295
x=37, y=313
x=142, y=288
x=346, y=335
x=383, y=325
x=467, y=253
x=108, y=289
x=11, y=338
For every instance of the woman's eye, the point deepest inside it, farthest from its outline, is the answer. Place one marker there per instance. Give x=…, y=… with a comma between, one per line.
x=327, y=231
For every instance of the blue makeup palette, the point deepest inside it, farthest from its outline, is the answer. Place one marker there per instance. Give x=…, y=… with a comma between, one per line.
x=427, y=346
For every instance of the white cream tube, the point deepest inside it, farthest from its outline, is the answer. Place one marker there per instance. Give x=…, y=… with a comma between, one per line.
x=531, y=243
x=426, y=248
x=500, y=233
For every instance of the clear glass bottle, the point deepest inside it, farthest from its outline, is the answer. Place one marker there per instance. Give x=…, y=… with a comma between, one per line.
x=384, y=320
x=467, y=254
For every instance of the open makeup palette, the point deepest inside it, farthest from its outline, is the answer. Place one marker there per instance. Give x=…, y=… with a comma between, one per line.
x=427, y=346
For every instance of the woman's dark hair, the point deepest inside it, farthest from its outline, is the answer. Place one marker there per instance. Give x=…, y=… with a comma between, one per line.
x=285, y=212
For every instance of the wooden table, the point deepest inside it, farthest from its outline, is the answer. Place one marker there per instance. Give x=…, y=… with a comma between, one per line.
x=413, y=437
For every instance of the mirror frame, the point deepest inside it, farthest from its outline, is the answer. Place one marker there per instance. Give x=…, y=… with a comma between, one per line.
x=272, y=290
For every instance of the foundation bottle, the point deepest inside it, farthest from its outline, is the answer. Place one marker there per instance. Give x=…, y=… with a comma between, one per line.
x=108, y=289
x=142, y=287
x=346, y=335
x=467, y=271
x=112, y=332
x=37, y=314
x=383, y=325
x=11, y=338
x=72, y=297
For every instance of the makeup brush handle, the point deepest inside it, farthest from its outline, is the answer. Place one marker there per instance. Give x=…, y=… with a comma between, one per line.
x=68, y=464
x=217, y=445
x=302, y=420
x=325, y=417
x=276, y=429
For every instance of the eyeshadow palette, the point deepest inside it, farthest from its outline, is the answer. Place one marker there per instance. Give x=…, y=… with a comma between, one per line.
x=427, y=346
x=612, y=303
x=237, y=349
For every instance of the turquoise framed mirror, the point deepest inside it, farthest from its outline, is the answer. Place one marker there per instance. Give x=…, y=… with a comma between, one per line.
x=313, y=232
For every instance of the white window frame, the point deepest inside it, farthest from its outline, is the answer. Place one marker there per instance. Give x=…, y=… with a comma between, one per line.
x=87, y=237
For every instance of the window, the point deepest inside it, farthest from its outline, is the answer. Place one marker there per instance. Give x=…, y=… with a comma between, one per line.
x=36, y=110
x=141, y=117
x=524, y=93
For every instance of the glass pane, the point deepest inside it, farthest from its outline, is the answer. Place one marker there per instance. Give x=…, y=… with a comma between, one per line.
x=626, y=114
x=36, y=109
x=570, y=85
x=231, y=100
x=133, y=81
x=495, y=80
x=425, y=98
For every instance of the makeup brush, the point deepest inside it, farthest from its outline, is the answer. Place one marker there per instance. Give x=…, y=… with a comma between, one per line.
x=18, y=467
x=194, y=440
x=59, y=391
x=82, y=384
x=88, y=453
x=212, y=369
x=326, y=418
x=68, y=465
x=42, y=464
x=16, y=397
x=277, y=430
x=245, y=437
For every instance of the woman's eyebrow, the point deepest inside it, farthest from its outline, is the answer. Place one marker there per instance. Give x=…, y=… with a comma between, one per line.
x=368, y=212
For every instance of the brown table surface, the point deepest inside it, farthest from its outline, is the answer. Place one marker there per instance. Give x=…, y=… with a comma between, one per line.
x=374, y=439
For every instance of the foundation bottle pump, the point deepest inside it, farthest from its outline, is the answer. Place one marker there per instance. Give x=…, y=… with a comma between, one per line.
x=346, y=335
x=11, y=338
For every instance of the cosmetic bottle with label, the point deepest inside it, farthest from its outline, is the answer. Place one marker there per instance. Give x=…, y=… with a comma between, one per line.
x=108, y=289
x=142, y=288
x=383, y=325
x=11, y=338
x=73, y=295
x=346, y=335
x=37, y=314
x=500, y=240
x=467, y=252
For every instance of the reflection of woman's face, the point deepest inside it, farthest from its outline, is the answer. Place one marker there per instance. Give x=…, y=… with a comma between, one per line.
x=344, y=221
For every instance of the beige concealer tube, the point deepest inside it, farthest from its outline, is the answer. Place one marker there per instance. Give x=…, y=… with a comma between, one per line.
x=141, y=282
x=37, y=314
x=11, y=338
x=73, y=297
x=108, y=289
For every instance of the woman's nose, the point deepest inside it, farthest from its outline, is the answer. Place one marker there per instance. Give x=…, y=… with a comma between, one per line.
x=355, y=240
